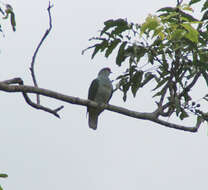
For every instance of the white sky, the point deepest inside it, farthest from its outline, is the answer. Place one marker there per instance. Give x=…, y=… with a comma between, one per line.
x=39, y=151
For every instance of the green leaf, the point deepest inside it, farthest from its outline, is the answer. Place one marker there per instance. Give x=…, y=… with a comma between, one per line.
x=120, y=56
x=13, y=22
x=177, y=34
x=203, y=54
x=120, y=28
x=151, y=23
x=188, y=17
x=3, y=175
x=136, y=82
x=161, y=82
x=192, y=33
x=1, y=188
x=159, y=31
x=99, y=47
x=159, y=93
x=193, y=2
x=183, y=114
x=108, y=24
x=139, y=51
x=122, y=76
x=126, y=87
x=111, y=47
x=148, y=77
x=177, y=106
x=9, y=11
x=205, y=6
x=166, y=9
x=121, y=25
x=205, y=16
x=205, y=75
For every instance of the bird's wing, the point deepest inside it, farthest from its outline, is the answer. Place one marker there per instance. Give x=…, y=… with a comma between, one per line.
x=93, y=89
x=110, y=96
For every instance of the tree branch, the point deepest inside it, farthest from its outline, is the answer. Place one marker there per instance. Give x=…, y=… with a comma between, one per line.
x=38, y=106
x=193, y=82
x=29, y=101
x=6, y=87
x=37, y=49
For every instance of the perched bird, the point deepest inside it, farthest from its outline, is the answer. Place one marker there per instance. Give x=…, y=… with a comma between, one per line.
x=100, y=91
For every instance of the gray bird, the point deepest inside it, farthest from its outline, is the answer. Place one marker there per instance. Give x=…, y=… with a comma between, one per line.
x=100, y=91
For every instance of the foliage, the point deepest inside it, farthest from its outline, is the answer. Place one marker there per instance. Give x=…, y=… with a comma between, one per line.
x=7, y=12
x=169, y=50
x=2, y=175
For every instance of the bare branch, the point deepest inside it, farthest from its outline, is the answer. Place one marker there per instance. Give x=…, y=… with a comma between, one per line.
x=38, y=106
x=29, y=101
x=13, y=81
x=78, y=101
x=37, y=49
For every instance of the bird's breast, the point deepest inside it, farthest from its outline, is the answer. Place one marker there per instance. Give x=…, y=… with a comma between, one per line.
x=104, y=93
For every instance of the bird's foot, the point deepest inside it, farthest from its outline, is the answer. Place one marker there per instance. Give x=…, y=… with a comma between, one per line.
x=101, y=105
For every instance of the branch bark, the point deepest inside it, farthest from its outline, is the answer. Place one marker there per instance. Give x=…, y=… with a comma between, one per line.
x=7, y=87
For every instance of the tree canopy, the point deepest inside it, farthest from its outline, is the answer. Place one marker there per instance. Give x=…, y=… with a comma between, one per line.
x=169, y=50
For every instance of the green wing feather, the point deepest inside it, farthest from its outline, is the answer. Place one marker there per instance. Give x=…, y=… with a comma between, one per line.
x=93, y=90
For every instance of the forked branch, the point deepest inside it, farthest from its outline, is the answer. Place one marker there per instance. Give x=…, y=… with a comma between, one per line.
x=29, y=101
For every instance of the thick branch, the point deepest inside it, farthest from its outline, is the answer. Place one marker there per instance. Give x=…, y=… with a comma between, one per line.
x=75, y=100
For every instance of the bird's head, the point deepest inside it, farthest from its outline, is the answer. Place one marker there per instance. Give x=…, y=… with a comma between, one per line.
x=105, y=72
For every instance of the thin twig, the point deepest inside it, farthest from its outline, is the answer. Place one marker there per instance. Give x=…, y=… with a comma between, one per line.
x=37, y=49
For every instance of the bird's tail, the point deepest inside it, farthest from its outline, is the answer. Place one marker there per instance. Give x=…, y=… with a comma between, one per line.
x=93, y=119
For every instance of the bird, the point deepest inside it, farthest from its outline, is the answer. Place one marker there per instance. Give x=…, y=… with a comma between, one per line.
x=100, y=91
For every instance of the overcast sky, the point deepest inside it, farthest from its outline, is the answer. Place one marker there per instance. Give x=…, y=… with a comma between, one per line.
x=39, y=151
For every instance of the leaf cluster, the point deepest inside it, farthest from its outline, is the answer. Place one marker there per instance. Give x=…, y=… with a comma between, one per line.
x=2, y=175
x=7, y=13
x=169, y=50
